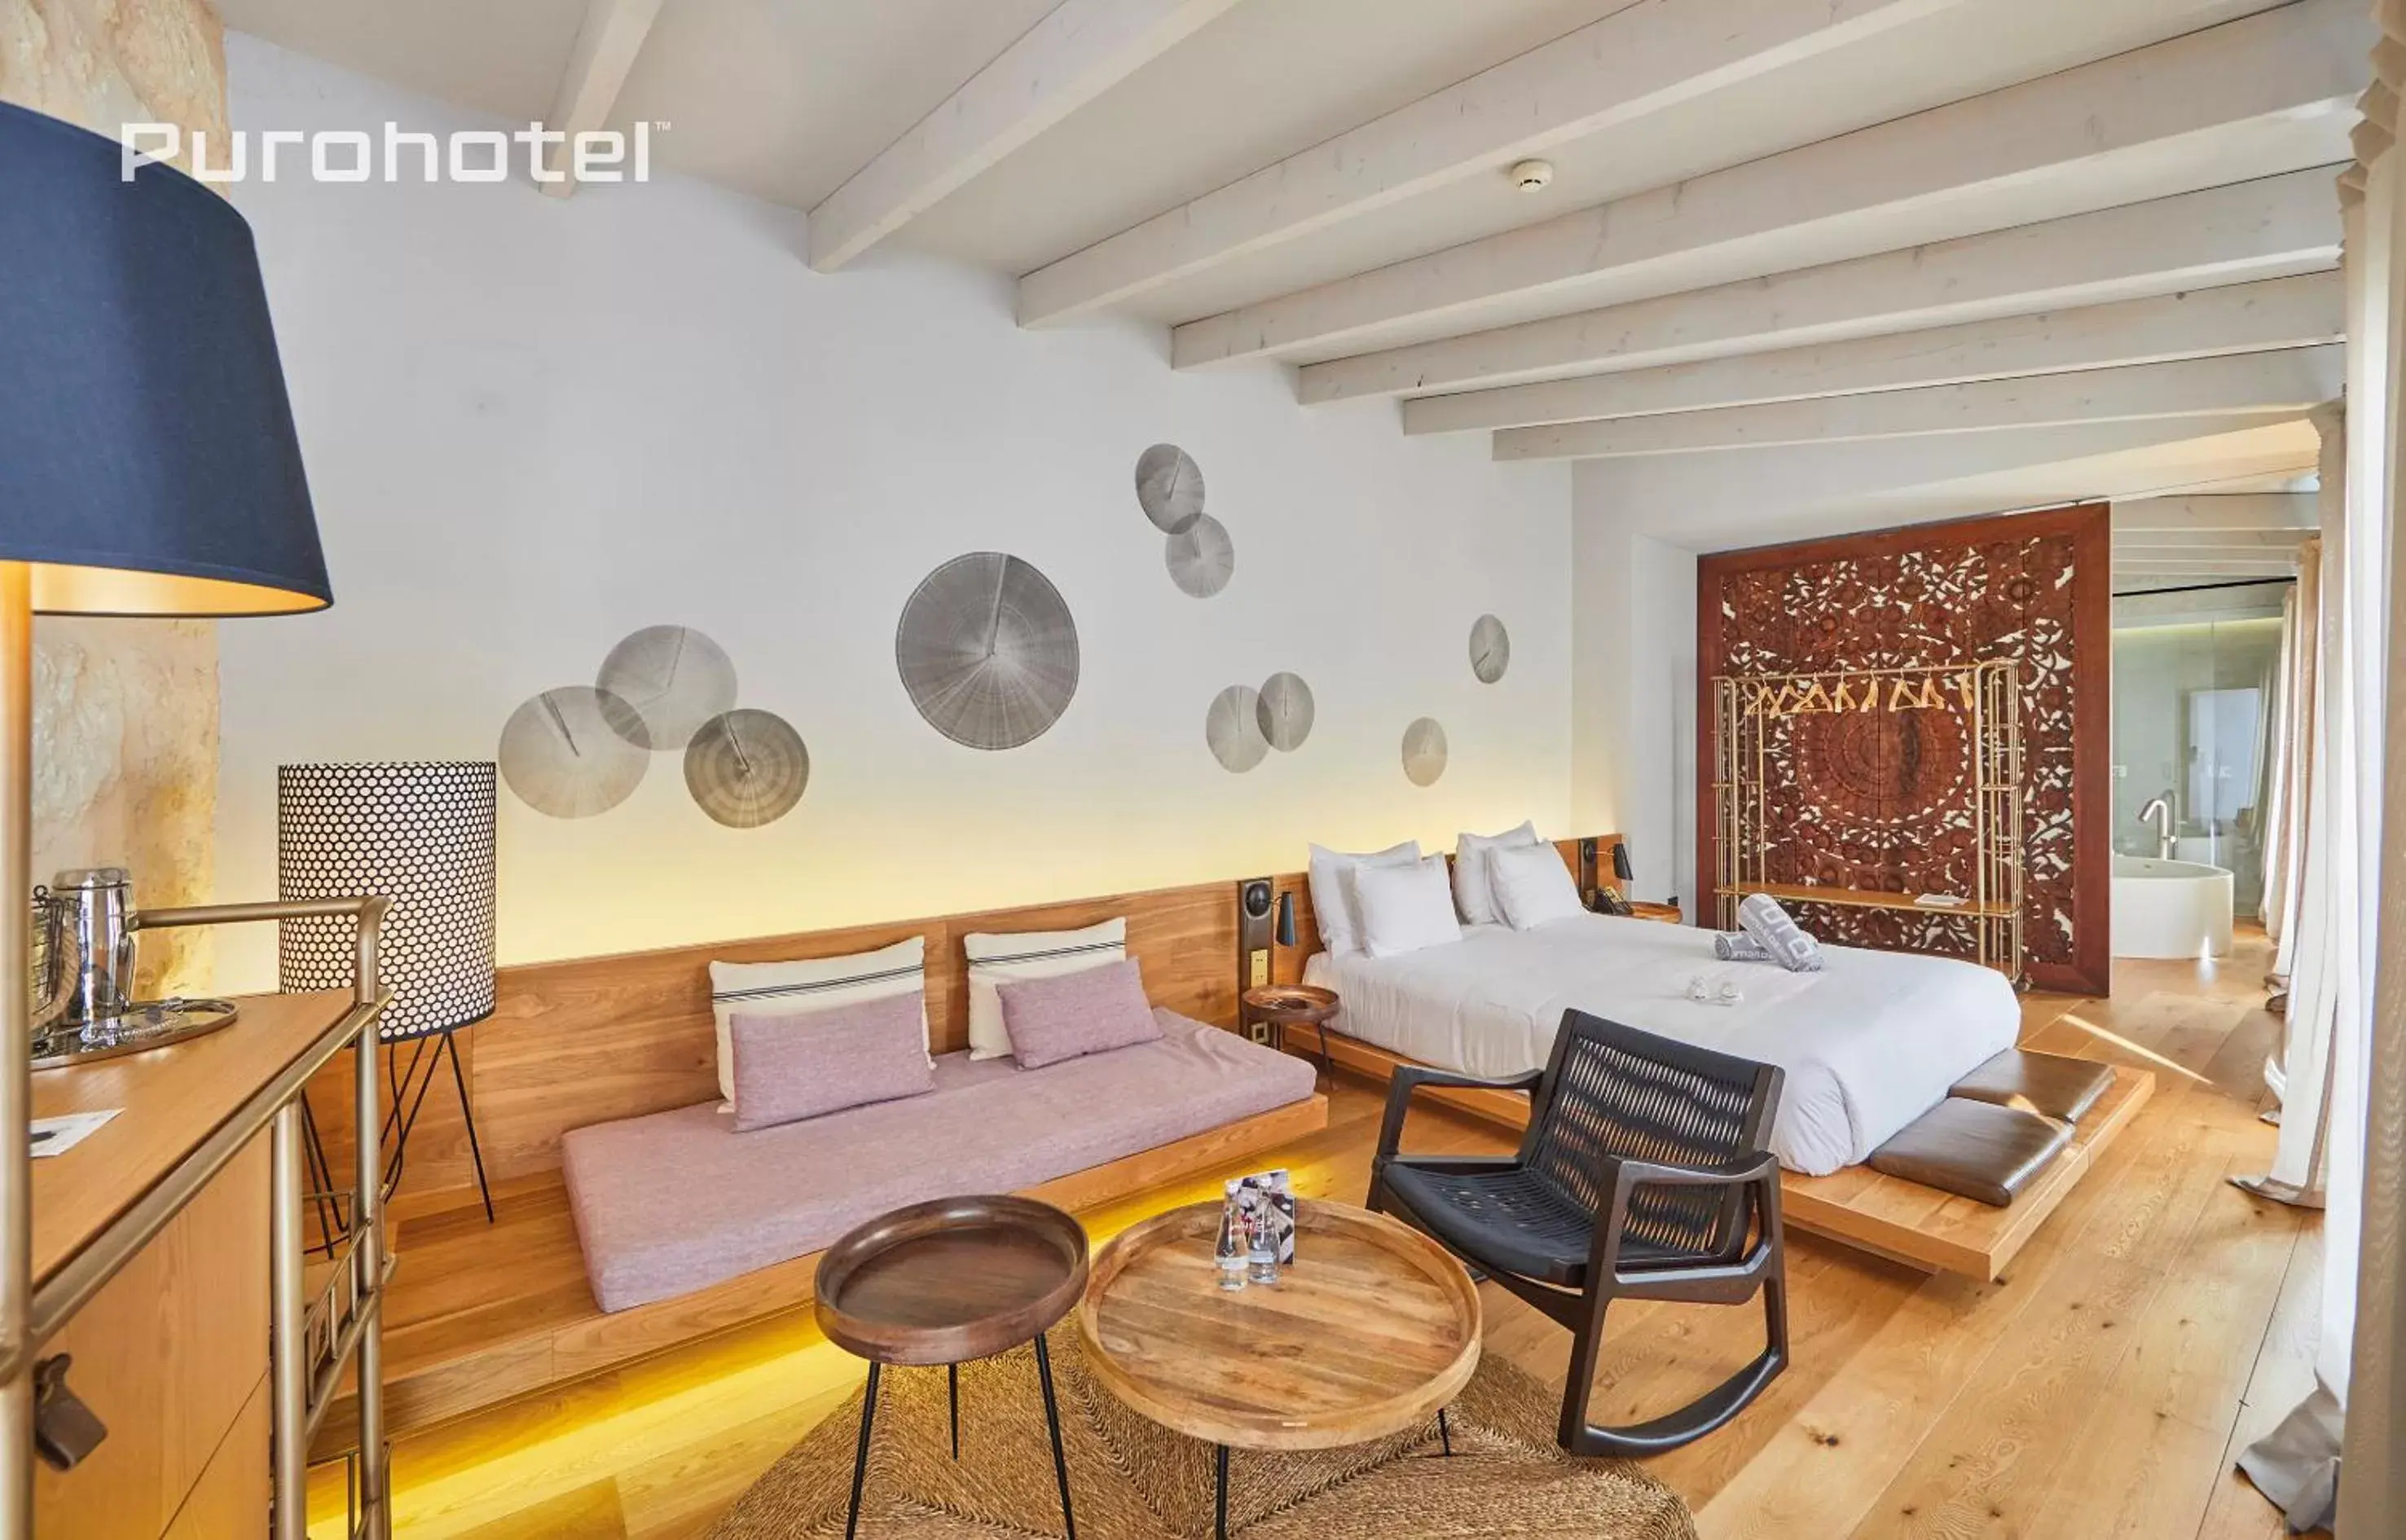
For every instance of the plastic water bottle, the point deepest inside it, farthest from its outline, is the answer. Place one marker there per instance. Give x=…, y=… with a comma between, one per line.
x=1234, y=1245
x=1262, y=1254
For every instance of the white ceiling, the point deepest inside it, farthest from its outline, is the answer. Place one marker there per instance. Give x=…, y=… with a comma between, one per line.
x=787, y=99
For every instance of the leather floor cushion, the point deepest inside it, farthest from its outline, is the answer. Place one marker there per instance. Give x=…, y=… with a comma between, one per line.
x=1974, y=1149
x=2049, y=1084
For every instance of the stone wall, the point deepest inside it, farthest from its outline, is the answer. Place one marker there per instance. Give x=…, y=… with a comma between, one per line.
x=125, y=711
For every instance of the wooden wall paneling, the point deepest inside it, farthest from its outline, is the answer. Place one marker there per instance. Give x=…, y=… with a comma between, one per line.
x=1777, y=609
x=591, y=1040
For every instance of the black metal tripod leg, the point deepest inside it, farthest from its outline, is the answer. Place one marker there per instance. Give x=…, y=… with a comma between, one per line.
x=861, y=1456
x=1445, y=1432
x=468, y=1116
x=1052, y=1425
x=953, y=1398
x=330, y=1225
x=1220, y=1491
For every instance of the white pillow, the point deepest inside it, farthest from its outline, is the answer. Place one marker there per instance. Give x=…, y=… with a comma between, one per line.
x=1405, y=908
x=1332, y=891
x=996, y=960
x=1533, y=886
x=807, y=985
x=1473, y=891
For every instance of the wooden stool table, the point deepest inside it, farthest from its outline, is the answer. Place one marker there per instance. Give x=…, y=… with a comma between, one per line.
x=1294, y=1005
x=946, y=1281
x=1371, y=1332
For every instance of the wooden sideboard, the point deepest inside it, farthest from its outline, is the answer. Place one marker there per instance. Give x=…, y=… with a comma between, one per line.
x=170, y=1345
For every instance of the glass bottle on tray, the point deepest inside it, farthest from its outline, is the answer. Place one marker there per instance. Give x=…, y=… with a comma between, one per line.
x=1235, y=1242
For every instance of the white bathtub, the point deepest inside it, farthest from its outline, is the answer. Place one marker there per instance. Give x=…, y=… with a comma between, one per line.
x=2170, y=909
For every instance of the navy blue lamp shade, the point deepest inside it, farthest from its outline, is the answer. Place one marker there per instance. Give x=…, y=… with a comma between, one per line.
x=147, y=460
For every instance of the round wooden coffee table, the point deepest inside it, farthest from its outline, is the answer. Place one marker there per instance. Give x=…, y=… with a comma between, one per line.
x=1294, y=1005
x=1372, y=1332
x=947, y=1281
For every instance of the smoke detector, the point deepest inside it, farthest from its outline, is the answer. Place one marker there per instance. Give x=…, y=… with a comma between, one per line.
x=1529, y=176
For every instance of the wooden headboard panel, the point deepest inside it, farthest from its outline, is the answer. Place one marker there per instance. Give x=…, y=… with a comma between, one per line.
x=1286, y=962
x=595, y=1038
x=591, y=1040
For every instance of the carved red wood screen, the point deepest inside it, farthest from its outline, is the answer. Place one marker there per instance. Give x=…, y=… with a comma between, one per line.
x=1882, y=799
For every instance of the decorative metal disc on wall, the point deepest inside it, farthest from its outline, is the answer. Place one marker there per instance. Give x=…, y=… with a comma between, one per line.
x=746, y=767
x=1285, y=712
x=1424, y=751
x=1170, y=487
x=673, y=677
x=1491, y=649
x=567, y=754
x=1202, y=560
x=988, y=651
x=1234, y=730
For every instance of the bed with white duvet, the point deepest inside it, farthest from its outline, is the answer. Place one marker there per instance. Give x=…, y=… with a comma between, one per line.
x=1869, y=1043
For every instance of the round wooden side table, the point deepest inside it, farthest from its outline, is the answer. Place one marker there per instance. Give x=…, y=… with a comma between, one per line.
x=1294, y=1005
x=947, y=1281
x=1372, y=1331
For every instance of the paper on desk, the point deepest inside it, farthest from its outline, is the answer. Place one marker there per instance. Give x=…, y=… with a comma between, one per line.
x=57, y=1135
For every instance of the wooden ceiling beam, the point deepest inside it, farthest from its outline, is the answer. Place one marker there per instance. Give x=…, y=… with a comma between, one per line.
x=2267, y=568
x=1648, y=56
x=608, y=43
x=2195, y=101
x=2249, y=231
x=2277, y=313
x=2270, y=386
x=1079, y=51
x=2219, y=513
x=2164, y=546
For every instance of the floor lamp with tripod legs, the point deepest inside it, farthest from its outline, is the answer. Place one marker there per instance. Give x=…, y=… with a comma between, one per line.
x=422, y=835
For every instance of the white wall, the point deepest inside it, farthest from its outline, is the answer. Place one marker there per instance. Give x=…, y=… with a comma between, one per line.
x=534, y=426
x=1633, y=690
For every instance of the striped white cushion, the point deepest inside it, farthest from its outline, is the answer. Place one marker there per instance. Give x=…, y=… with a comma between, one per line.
x=811, y=984
x=1000, y=959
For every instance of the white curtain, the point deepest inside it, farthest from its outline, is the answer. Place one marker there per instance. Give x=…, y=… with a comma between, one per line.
x=2319, y=949
x=2339, y=935
x=2293, y=716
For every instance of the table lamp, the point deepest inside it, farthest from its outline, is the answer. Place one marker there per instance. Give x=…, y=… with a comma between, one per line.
x=148, y=466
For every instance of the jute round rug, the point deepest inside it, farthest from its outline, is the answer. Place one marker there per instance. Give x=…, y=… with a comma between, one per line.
x=1131, y=1480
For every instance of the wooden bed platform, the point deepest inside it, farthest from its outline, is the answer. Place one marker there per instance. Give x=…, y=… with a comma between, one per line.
x=1902, y=1221
x=479, y=1314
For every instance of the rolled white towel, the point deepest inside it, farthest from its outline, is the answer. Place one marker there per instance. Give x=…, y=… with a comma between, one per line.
x=1777, y=933
x=1736, y=946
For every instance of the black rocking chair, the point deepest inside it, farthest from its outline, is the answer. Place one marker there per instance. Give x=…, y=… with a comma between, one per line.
x=1646, y=1174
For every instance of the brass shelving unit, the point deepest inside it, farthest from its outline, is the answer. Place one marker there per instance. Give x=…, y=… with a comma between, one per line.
x=1746, y=710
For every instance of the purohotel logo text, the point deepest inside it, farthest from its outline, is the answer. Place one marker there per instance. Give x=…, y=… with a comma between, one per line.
x=354, y=155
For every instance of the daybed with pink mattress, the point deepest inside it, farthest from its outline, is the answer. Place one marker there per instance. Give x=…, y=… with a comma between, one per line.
x=678, y=1201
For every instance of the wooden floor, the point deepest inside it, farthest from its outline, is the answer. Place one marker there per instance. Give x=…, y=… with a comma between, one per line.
x=2100, y=1388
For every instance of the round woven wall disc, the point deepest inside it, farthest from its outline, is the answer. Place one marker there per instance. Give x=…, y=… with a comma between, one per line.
x=1170, y=487
x=1285, y=712
x=1203, y=560
x=1491, y=649
x=988, y=651
x=1424, y=751
x=746, y=767
x=674, y=678
x=1233, y=729
x=567, y=753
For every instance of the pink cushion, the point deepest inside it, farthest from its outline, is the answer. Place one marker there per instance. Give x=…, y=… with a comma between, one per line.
x=1074, y=1015
x=676, y=1201
x=789, y=1067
